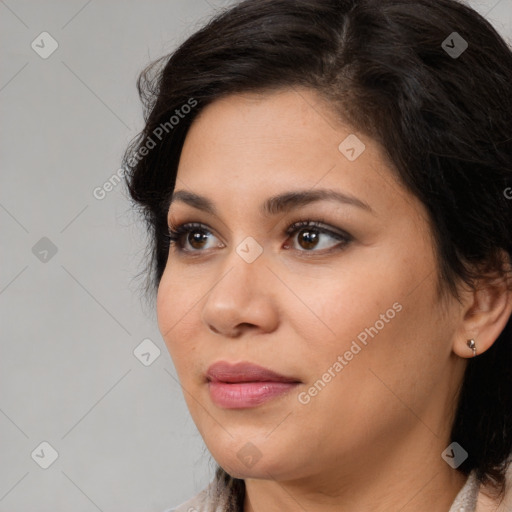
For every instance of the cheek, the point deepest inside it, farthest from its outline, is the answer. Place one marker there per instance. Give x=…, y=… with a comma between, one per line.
x=360, y=379
x=350, y=296
x=379, y=318
x=343, y=305
x=175, y=312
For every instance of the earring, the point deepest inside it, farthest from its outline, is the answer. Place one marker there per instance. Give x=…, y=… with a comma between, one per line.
x=472, y=345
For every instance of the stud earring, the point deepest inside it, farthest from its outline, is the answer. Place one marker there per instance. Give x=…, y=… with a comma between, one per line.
x=472, y=345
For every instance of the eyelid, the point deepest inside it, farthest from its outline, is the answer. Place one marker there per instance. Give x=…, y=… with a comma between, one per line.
x=177, y=231
x=320, y=224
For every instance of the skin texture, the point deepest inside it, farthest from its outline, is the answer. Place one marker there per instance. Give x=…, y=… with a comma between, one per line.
x=372, y=438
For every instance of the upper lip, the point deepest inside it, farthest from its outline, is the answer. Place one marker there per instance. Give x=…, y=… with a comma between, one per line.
x=223, y=371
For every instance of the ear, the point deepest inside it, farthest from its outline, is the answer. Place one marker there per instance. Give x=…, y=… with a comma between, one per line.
x=485, y=312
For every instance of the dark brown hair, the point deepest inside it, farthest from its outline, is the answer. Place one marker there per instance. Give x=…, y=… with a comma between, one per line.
x=444, y=121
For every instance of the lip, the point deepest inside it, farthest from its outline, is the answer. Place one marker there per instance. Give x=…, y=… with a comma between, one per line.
x=222, y=371
x=243, y=385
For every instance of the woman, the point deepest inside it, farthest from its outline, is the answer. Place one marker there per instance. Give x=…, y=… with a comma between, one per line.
x=327, y=186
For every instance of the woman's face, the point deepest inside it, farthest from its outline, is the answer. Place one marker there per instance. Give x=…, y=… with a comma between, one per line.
x=354, y=319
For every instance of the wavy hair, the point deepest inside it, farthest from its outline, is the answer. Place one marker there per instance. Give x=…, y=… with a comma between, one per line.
x=444, y=121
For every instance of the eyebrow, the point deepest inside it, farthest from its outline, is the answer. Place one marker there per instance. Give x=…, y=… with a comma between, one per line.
x=277, y=204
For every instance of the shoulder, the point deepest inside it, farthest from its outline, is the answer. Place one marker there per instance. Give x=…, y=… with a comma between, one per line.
x=486, y=503
x=211, y=499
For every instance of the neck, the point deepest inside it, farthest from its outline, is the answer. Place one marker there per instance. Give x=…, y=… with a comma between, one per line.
x=421, y=483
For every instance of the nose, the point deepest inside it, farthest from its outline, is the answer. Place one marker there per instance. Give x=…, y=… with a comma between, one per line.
x=243, y=298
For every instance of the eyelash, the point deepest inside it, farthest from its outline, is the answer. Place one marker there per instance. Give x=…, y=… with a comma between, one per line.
x=177, y=232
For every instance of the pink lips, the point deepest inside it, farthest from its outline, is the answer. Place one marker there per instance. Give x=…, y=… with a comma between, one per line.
x=242, y=385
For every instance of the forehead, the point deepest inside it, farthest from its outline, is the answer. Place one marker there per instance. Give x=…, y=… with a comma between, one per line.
x=244, y=148
x=263, y=128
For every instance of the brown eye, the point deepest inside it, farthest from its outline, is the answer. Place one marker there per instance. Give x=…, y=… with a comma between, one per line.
x=312, y=237
x=190, y=237
x=197, y=239
x=308, y=238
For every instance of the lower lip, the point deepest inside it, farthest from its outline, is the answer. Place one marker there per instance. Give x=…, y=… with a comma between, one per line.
x=246, y=394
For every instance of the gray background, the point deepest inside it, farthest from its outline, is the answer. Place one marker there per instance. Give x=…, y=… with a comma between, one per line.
x=70, y=321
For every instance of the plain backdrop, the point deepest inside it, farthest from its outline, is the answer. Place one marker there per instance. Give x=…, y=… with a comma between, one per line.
x=83, y=389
